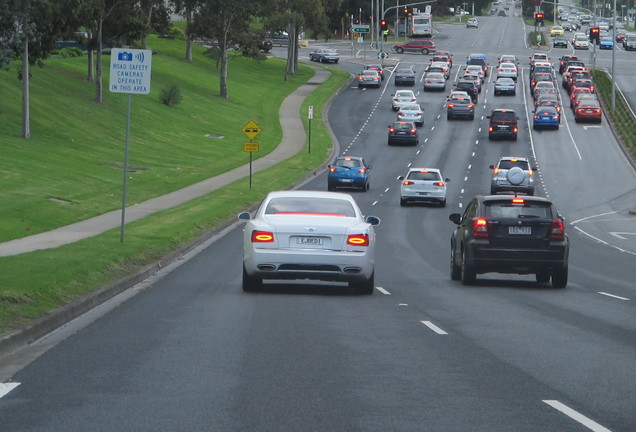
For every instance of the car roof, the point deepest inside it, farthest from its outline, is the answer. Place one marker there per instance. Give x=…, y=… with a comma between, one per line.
x=404, y=93
x=503, y=110
x=349, y=157
x=310, y=194
x=437, y=170
x=501, y=197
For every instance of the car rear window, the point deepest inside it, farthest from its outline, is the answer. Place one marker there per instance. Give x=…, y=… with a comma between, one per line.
x=310, y=206
x=507, y=164
x=503, y=116
x=402, y=126
x=348, y=163
x=528, y=209
x=424, y=175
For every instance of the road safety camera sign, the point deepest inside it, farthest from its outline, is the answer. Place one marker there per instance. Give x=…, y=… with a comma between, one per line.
x=130, y=70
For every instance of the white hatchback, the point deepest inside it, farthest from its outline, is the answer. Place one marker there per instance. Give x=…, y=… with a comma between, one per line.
x=423, y=185
x=309, y=235
x=411, y=113
x=507, y=70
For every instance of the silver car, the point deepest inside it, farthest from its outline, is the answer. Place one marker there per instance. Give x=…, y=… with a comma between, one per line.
x=423, y=185
x=324, y=55
x=309, y=235
x=434, y=81
x=500, y=181
x=401, y=97
x=505, y=86
x=411, y=113
x=507, y=70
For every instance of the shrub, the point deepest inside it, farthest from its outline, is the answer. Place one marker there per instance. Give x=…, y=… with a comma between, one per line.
x=170, y=95
x=71, y=52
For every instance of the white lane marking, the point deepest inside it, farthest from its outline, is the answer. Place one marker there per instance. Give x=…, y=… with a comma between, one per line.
x=386, y=190
x=434, y=327
x=613, y=296
x=575, y=415
x=374, y=203
x=603, y=241
x=593, y=216
x=383, y=291
x=7, y=387
x=619, y=235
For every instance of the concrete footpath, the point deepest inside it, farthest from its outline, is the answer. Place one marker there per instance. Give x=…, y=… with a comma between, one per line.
x=293, y=140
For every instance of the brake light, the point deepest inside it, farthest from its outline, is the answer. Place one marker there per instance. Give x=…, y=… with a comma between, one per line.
x=517, y=200
x=413, y=100
x=515, y=129
x=262, y=237
x=332, y=169
x=440, y=184
x=490, y=128
x=557, y=230
x=450, y=105
x=408, y=183
x=391, y=130
x=496, y=170
x=536, y=116
x=358, y=240
x=360, y=78
x=362, y=170
x=480, y=228
x=413, y=130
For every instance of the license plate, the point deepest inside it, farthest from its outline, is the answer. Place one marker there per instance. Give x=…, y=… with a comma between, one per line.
x=589, y=111
x=423, y=193
x=346, y=180
x=309, y=240
x=503, y=127
x=515, y=230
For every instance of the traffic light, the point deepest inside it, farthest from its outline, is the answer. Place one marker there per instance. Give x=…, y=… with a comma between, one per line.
x=384, y=25
x=538, y=19
x=356, y=21
x=595, y=34
x=406, y=12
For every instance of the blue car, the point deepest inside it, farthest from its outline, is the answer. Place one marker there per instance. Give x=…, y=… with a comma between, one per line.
x=349, y=172
x=606, y=43
x=546, y=116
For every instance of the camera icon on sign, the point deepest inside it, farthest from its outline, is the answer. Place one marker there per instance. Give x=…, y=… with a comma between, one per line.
x=124, y=56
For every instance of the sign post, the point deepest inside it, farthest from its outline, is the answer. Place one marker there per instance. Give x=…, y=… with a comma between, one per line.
x=310, y=115
x=129, y=73
x=251, y=129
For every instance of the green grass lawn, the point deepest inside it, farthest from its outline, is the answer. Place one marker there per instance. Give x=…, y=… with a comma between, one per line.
x=71, y=168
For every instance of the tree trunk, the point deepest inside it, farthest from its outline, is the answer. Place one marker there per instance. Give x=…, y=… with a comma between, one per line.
x=223, y=58
x=99, y=97
x=188, y=53
x=90, y=76
x=26, y=128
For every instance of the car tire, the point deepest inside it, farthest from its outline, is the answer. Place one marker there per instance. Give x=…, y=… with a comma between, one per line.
x=251, y=283
x=403, y=202
x=449, y=116
x=364, y=287
x=455, y=270
x=442, y=203
x=399, y=50
x=472, y=117
x=425, y=51
x=468, y=274
x=543, y=276
x=331, y=188
x=364, y=187
x=560, y=277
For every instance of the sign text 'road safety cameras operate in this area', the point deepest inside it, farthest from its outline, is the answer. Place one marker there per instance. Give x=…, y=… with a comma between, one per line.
x=130, y=70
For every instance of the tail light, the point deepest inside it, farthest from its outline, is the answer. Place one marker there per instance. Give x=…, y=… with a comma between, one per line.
x=400, y=113
x=557, y=230
x=439, y=184
x=413, y=130
x=332, y=169
x=490, y=128
x=360, y=78
x=262, y=237
x=536, y=116
x=480, y=228
x=496, y=170
x=515, y=129
x=358, y=239
x=408, y=183
x=391, y=130
x=450, y=105
x=413, y=100
x=418, y=114
x=470, y=105
x=362, y=170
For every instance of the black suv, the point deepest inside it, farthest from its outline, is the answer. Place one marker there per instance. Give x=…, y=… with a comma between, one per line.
x=509, y=234
x=469, y=87
x=503, y=124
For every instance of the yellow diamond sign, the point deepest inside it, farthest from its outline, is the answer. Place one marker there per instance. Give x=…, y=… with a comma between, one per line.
x=251, y=130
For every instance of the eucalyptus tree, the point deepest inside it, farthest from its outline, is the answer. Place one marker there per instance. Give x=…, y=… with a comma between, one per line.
x=188, y=9
x=216, y=20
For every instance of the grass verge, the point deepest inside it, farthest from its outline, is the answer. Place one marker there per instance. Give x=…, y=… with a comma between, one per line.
x=75, y=151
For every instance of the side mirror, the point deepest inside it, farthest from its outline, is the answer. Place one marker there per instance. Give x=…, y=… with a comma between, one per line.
x=447, y=180
x=491, y=167
x=455, y=218
x=373, y=220
x=244, y=216
x=401, y=178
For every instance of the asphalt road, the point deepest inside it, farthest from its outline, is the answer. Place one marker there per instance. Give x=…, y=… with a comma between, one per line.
x=191, y=352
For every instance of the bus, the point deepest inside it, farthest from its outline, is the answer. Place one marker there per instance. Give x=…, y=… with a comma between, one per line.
x=422, y=25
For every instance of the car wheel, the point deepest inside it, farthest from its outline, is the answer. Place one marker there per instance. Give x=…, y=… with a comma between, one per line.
x=468, y=273
x=250, y=283
x=449, y=117
x=455, y=270
x=442, y=203
x=543, y=276
x=399, y=50
x=403, y=202
x=560, y=277
x=331, y=187
x=365, y=287
x=425, y=51
x=472, y=117
x=364, y=187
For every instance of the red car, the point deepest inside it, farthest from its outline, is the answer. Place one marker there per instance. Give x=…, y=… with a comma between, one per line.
x=424, y=46
x=581, y=97
x=577, y=92
x=588, y=111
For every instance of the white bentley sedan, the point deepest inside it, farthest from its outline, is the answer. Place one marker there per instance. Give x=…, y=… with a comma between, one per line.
x=309, y=235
